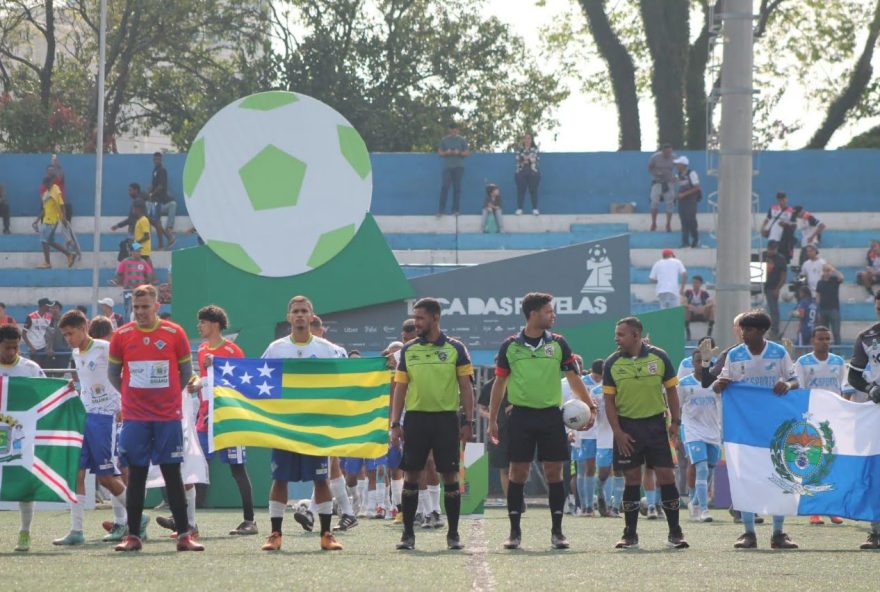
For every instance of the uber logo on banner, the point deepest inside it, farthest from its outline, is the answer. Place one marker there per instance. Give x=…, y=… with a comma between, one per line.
x=481, y=305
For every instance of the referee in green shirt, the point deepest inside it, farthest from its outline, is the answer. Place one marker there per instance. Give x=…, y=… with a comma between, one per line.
x=528, y=367
x=433, y=376
x=633, y=382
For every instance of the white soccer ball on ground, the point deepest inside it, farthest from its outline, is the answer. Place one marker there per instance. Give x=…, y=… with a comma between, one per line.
x=576, y=414
x=277, y=183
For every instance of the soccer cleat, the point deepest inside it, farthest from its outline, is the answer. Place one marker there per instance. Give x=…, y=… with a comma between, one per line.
x=652, y=513
x=74, y=537
x=346, y=522
x=186, y=542
x=836, y=519
x=519, y=213
x=116, y=534
x=558, y=540
x=780, y=540
x=439, y=522
x=407, y=542
x=759, y=520
x=129, y=543
x=273, y=543
x=193, y=532
x=536, y=212
x=329, y=542
x=628, y=541
x=660, y=513
x=873, y=542
x=514, y=540
x=428, y=521
x=24, y=542
x=398, y=518
x=305, y=519
x=453, y=542
x=379, y=514
x=419, y=518
x=746, y=540
x=587, y=512
x=614, y=513
x=107, y=525
x=602, y=506
x=163, y=505
x=705, y=516
x=675, y=540
x=816, y=521
x=166, y=523
x=245, y=528
x=736, y=515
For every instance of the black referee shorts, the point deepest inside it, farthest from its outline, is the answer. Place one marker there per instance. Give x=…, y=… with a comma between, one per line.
x=541, y=429
x=430, y=431
x=651, y=446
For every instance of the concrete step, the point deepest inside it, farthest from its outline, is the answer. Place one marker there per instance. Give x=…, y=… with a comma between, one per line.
x=30, y=242
x=29, y=260
x=62, y=277
x=849, y=293
x=86, y=224
x=28, y=296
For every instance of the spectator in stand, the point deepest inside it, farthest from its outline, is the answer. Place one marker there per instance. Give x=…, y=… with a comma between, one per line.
x=36, y=327
x=136, y=196
x=812, y=269
x=528, y=174
x=5, y=319
x=810, y=228
x=689, y=195
x=807, y=311
x=53, y=212
x=132, y=272
x=57, y=348
x=779, y=225
x=141, y=234
x=670, y=275
x=661, y=166
x=4, y=209
x=492, y=205
x=828, y=299
x=871, y=275
x=776, y=274
x=698, y=306
x=115, y=318
x=453, y=150
x=161, y=203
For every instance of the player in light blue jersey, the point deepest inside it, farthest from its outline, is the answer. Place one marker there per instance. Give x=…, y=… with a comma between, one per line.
x=583, y=448
x=701, y=428
x=610, y=489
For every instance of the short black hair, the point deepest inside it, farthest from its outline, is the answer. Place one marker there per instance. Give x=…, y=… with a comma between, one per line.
x=818, y=328
x=698, y=277
x=214, y=314
x=598, y=366
x=409, y=326
x=429, y=305
x=2, y=305
x=534, y=301
x=10, y=331
x=159, y=154
x=632, y=322
x=756, y=319
x=452, y=125
x=772, y=243
x=135, y=186
x=355, y=353
x=73, y=318
x=100, y=327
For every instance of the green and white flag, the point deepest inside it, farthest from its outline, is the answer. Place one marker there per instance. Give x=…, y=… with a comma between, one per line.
x=41, y=433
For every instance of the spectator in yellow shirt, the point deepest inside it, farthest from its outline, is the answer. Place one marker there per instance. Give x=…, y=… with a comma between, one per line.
x=142, y=229
x=53, y=210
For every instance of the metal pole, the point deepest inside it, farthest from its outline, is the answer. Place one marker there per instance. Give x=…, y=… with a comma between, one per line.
x=735, y=169
x=99, y=158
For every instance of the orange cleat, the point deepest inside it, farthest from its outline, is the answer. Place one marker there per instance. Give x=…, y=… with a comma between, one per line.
x=816, y=521
x=329, y=542
x=273, y=543
x=129, y=543
x=107, y=525
x=187, y=543
x=836, y=520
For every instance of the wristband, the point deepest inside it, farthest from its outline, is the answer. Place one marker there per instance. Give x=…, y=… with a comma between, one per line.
x=464, y=421
x=676, y=421
x=395, y=424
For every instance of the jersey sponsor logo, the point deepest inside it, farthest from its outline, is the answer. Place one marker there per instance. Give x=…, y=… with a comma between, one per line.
x=802, y=455
x=600, y=271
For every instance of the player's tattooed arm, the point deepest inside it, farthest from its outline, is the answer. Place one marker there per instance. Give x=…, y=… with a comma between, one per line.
x=114, y=375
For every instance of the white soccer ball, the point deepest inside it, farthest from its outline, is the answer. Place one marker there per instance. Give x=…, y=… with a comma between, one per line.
x=576, y=414
x=277, y=183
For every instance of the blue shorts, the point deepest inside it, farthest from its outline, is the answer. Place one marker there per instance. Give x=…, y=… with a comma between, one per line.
x=159, y=442
x=353, y=466
x=47, y=232
x=293, y=466
x=604, y=456
x=394, y=456
x=230, y=456
x=586, y=451
x=99, y=436
x=121, y=463
x=701, y=451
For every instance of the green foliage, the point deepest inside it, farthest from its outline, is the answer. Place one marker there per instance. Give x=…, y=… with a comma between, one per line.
x=869, y=139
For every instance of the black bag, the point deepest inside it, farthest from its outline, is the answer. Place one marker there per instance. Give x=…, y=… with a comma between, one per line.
x=124, y=249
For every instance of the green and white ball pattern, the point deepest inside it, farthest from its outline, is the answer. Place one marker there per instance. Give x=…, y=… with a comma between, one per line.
x=277, y=183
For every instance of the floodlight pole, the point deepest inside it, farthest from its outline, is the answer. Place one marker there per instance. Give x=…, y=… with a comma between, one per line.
x=734, y=229
x=99, y=158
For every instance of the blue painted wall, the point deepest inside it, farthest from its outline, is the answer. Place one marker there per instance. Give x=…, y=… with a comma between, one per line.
x=840, y=180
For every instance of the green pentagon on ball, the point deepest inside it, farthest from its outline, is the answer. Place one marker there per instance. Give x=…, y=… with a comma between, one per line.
x=272, y=179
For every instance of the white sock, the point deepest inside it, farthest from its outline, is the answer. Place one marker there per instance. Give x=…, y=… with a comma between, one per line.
x=380, y=495
x=117, y=502
x=190, y=508
x=362, y=486
x=313, y=507
x=434, y=497
x=353, y=496
x=325, y=507
x=337, y=488
x=276, y=509
x=78, y=513
x=423, y=502
x=396, y=491
x=26, y=512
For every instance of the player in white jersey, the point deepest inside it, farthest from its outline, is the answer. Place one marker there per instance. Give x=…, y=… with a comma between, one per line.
x=763, y=363
x=822, y=369
x=291, y=466
x=686, y=366
x=701, y=429
x=611, y=483
x=583, y=445
x=12, y=364
x=102, y=404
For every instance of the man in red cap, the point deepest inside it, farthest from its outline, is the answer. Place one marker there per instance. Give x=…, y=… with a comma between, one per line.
x=670, y=275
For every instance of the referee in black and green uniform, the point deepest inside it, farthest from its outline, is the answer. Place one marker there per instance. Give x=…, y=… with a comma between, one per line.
x=528, y=367
x=633, y=382
x=433, y=377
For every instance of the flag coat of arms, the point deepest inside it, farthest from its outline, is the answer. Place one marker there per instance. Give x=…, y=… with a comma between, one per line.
x=314, y=406
x=807, y=452
x=41, y=433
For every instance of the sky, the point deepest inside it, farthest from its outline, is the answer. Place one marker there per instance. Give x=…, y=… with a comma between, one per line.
x=587, y=126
